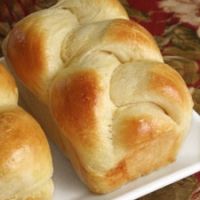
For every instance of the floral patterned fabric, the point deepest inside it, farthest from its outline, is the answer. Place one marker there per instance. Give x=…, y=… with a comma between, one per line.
x=175, y=24
x=183, y=190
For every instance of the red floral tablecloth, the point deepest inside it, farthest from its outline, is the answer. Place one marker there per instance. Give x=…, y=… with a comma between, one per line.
x=175, y=25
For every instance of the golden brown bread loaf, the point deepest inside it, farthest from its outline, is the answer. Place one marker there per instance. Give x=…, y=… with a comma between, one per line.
x=98, y=84
x=25, y=160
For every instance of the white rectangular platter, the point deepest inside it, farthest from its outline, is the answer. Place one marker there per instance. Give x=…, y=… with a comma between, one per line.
x=69, y=187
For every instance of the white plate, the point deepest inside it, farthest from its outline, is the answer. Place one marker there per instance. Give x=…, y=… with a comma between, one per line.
x=69, y=187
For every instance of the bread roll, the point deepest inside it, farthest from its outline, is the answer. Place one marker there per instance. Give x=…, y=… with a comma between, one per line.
x=25, y=160
x=110, y=103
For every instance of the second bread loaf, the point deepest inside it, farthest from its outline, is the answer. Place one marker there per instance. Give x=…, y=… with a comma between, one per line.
x=25, y=158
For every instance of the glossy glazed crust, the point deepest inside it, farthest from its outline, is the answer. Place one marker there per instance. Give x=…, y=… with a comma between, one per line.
x=25, y=160
x=119, y=111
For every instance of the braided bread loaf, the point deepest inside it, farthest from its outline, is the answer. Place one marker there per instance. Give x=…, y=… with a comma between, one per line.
x=25, y=160
x=99, y=85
